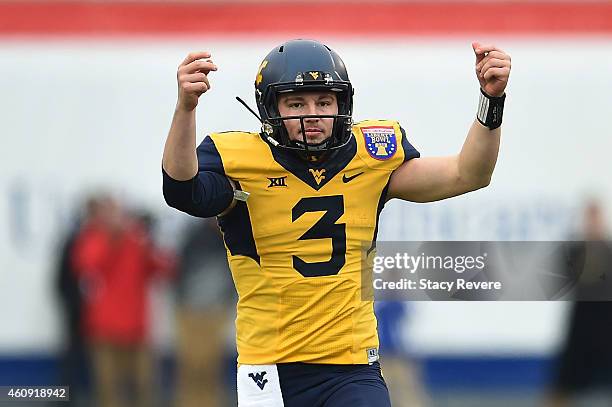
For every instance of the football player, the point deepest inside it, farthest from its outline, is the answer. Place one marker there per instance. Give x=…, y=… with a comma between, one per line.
x=299, y=201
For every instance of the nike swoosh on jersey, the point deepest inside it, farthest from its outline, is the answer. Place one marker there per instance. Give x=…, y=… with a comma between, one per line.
x=346, y=179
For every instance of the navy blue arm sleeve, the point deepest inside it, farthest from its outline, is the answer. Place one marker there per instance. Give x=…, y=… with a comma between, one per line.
x=208, y=193
x=205, y=195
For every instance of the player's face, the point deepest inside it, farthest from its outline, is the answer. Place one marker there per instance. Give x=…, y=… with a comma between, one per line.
x=309, y=103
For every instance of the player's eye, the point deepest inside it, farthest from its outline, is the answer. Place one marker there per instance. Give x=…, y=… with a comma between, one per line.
x=295, y=105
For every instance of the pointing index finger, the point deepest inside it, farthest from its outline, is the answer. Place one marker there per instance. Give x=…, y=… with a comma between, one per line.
x=193, y=56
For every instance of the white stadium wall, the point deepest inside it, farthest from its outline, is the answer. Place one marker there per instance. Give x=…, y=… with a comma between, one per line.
x=80, y=115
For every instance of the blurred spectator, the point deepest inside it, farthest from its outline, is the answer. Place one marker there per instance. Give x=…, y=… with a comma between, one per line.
x=585, y=361
x=400, y=372
x=115, y=258
x=205, y=299
x=73, y=361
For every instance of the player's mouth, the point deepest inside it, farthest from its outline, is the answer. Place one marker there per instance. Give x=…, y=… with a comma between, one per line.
x=313, y=132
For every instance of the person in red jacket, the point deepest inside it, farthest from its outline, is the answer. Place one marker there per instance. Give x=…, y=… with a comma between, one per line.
x=115, y=259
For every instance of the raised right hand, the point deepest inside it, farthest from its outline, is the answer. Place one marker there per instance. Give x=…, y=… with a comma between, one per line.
x=192, y=77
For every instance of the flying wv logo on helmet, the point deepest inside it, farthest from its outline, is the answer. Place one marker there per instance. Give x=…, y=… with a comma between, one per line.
x=303, y=65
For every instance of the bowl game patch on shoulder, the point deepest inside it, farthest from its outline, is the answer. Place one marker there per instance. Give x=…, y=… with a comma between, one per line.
x=380, y=141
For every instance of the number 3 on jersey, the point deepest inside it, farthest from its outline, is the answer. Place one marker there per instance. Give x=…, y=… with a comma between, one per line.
x=325, y=228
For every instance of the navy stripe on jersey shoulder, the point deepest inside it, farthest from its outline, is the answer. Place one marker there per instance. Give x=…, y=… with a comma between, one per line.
x=409, y=151
x=381, y=205
x=238, y=232
x=209, y=158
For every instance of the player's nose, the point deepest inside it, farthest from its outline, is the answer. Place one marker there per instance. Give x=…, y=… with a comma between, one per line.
x=311, y=109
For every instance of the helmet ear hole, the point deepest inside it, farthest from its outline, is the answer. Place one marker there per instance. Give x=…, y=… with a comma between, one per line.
x=282, y=47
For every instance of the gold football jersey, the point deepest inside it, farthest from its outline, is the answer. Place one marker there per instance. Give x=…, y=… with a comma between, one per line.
x=295, y=246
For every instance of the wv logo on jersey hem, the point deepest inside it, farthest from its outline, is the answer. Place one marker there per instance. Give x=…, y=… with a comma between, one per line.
x=258, y=379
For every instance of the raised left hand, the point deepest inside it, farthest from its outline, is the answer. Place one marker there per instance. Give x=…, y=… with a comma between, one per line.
x=492, y=68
